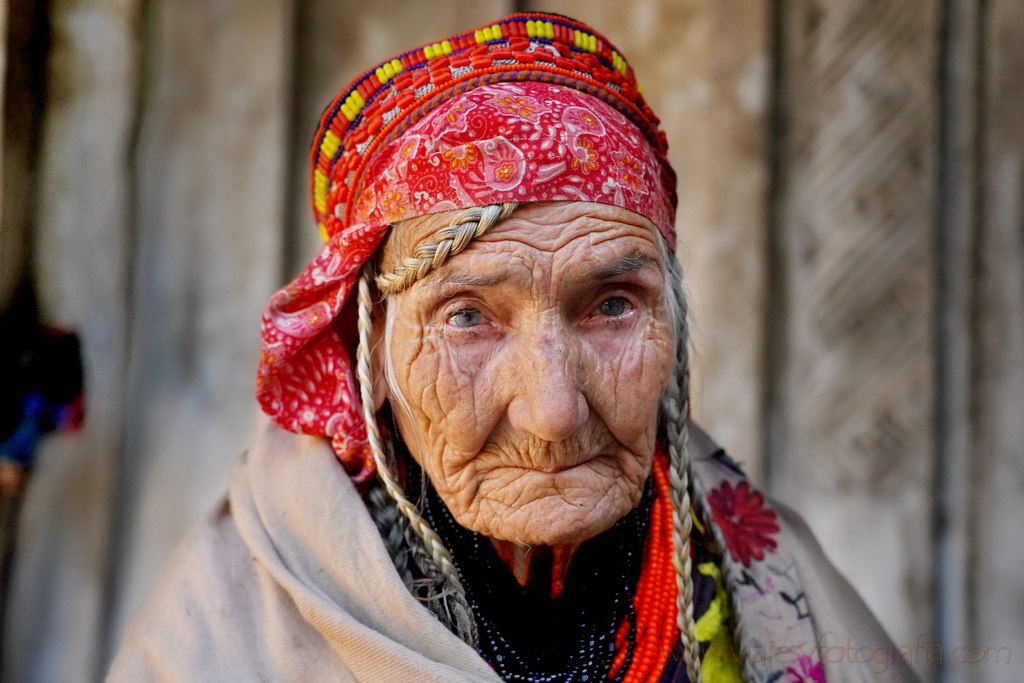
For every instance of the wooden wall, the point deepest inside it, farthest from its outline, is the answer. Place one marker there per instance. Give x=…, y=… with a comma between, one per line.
x=851, y=223
x=853, y=359
x=996, y=466
x=78, y=216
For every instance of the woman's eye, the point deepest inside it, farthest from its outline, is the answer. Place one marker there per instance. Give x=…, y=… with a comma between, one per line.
x=613, y=307
x=467, y=317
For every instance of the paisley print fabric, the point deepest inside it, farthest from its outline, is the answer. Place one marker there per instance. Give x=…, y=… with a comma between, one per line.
x=514, y=142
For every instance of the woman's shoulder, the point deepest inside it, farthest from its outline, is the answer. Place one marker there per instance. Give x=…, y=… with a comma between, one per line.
x=794, y=612
x=287, y=579
x=196, y=623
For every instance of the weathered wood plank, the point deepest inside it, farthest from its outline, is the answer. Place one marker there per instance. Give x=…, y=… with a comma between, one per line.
x=853, y=430
x=957, y=227
x=336, y=41
x=997, y=617
x=211, y=182
x=10, y=242
x=81, y=254
x=19, y=83
x=711, y=95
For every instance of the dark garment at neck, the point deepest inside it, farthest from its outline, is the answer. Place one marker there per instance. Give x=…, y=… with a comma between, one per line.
x=524, y=633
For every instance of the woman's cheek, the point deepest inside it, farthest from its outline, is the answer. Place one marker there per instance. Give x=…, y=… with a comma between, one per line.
x=464, y=381
x=660, y=349
x=630, y=375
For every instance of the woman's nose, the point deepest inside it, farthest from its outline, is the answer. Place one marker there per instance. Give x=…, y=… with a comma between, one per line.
x=549, y=404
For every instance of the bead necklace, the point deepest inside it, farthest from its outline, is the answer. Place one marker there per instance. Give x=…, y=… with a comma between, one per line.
x=655, y=634
x=527, y=636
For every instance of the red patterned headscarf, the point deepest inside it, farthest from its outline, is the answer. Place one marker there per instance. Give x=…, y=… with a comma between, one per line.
x=536, y=107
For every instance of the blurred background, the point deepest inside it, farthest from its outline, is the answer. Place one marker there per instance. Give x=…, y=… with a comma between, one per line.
x=851, y=222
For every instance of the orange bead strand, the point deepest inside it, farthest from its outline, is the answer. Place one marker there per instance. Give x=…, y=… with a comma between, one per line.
x=655, y=597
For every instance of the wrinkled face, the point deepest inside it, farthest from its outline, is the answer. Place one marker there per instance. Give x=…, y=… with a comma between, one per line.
x=531, y=366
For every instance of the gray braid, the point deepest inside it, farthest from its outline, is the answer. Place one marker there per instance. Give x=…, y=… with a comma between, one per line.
x=446, y=242
x=414, y=564
x=393, y=528
x=420, y=557
x=675, y=410
x=464, y=624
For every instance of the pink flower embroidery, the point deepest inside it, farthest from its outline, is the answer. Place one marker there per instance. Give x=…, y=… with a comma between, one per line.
x=747, y=525
x=410, y=145
x=578, y=121
x=366, y=202
x=584, y=156
x=503, y=163
x=504, y=172
x=523, y=107
x=629, y=172
x=806, y=671
x=459, y=158
x=393, y=205
x=454, y=120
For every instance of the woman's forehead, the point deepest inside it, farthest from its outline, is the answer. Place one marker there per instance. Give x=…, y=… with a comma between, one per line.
x=547, y=227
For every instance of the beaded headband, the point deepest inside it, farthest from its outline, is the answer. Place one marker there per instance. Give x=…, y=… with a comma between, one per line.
x=383, y=103
x=543, y=107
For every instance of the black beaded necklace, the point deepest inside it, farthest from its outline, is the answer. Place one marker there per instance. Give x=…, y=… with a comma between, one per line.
x=524, y=633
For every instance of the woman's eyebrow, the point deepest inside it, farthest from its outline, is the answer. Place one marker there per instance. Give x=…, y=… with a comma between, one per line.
x=460, y=277
x=450, y=275
x=629, y=263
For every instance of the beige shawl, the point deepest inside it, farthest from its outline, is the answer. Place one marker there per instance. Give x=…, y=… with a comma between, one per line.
x=287, y=579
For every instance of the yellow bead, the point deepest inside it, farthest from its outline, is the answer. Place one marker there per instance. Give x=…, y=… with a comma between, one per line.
x=330, y=144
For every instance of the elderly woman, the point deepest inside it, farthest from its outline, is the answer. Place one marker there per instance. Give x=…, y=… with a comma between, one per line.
x=493, y=344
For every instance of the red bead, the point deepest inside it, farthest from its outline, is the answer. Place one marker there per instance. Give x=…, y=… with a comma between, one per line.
x=563, y=63
x=406, y=99
x=421, y=79
x=402, y=80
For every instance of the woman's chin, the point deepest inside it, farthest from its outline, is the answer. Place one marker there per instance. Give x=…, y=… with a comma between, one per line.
x=559, y=514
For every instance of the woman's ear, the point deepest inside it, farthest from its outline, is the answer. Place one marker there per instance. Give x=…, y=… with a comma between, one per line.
x=378, y=353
